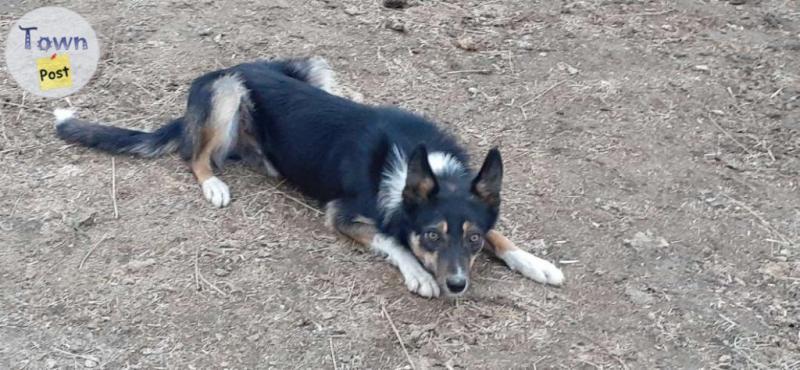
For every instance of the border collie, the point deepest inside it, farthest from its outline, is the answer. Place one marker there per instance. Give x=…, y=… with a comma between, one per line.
x=388, y=179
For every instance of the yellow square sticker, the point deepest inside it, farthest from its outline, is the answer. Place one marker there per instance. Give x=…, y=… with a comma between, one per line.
x=55, y=72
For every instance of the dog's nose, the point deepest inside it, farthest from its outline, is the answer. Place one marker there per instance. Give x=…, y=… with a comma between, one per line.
x=456, y=284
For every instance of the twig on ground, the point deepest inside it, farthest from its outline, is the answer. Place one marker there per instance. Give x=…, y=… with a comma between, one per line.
x=25, y=107
x=220, y=291
x=197, y=268
x=728, y=134
x=650, y=14
x=300, y=202
x=86, y=256
x=397, y=334
x=757, y=216
x=77, y=355
x=198, y=277
x=333, y=354
x=547, y=90
x=478, y=71
x=114, y=188
x=19, y=114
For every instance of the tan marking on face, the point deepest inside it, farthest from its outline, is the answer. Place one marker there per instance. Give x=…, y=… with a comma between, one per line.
x=472, y=260
x=466, y=227
x=442, y=226
x=428, y=258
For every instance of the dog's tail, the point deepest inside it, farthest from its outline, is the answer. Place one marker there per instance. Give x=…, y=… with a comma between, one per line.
x=118, y=140
x=312, y=70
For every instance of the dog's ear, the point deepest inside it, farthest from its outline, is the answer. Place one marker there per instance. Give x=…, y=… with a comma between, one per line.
x=420, y=181
x=486, y=185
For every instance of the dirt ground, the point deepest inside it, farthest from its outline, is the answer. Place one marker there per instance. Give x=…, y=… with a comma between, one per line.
x=652, y=148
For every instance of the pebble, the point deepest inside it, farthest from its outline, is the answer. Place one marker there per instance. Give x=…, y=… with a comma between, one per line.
x=466, y=43
x=395, y=4
x=396, y=24
x=353, y=11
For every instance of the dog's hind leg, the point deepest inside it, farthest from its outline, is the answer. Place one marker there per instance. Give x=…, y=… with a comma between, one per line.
x=527, y=264
x=215, y=134
x=363, y=230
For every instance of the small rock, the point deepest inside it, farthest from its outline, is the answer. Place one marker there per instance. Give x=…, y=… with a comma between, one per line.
x=89, y=363
x=701, y=68
x=221, y=272
x=254, y=337
x=396, y=24
x=328, y=315
x=639, y=296
x=738, y=2
x=218, y=38
x=777, y=270
x=568, y=68
x=351, y=10
x=231, y=244
x=140, y=264
x=646, y=240
x=524, y=44
x=395, y=4
x=466, y=43
x=82, y=220
x=51, y=363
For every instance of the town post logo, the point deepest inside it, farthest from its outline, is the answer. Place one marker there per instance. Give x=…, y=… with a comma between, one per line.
x=52, y=52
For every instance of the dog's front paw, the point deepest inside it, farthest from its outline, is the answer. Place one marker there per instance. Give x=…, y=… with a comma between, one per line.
x=420, y=281
x=216, y=192
x=534, y=268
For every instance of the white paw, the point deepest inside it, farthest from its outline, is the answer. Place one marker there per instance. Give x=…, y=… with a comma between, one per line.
x=533, y=267
x=420, y=281
x=216, y=192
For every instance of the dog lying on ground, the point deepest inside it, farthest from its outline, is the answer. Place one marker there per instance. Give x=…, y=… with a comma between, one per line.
x=389, y=179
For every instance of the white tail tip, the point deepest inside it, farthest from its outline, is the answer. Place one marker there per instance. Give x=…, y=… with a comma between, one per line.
x=63, y=115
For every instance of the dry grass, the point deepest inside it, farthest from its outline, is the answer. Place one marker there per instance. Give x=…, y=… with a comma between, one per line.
x=607, y=126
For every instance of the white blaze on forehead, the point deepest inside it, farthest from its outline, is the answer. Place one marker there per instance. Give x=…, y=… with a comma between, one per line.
x=390, y=196
x=444, y=164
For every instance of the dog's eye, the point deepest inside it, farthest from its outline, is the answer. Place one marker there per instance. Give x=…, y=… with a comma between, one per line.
x=474, y=238
x=432, y=236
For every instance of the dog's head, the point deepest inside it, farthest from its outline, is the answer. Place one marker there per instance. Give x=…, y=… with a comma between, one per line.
x=449, y=214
